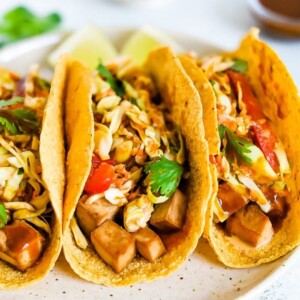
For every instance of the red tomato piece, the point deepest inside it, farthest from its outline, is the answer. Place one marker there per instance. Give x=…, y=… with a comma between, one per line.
x=265, y=139
x=248, y=97
x=101, y=176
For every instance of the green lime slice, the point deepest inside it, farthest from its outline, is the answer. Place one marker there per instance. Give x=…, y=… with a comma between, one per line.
x=87, y=45
x=143, y=41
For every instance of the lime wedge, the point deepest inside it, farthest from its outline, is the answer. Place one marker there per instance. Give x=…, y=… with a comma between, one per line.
x=143, y=41
x=87, y=45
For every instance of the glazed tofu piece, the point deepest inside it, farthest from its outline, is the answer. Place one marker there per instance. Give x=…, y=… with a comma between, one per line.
x=170, y=214
x=91, y=214
x=21, y=245
x=230, y=200
x=251, y=225
x=149, y=244
x=114, y=244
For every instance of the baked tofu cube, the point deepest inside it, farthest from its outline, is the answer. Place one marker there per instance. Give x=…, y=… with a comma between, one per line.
x=91, y=215
x=230, y=200
x=149, y=244
x=251, y=225
x=21, y=244
x=114, y=244
x=170, y=214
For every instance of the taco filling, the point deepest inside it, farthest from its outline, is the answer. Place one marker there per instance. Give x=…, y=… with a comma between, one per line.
x=251, y=199
x=25, y=210
x=132, y=196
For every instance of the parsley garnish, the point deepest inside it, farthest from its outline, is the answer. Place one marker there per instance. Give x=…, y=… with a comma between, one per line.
x=20, y=23
x=164, y=175
x=243, y=148
x=12, y=101
x=116, y=84
x=239, y=65
x=3, y=216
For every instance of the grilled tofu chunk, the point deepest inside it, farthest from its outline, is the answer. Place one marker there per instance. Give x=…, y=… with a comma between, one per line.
x=21, y=245
x=90, y=215
x=230, y=200
x=114, y=244
x=149, y=244
x=170, y=214
x=251, y=225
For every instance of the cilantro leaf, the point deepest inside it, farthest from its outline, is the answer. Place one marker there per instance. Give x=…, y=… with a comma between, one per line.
x=20, y=23
x=116, y=84
x=12, y=101
x=3, y=216
x=245, y=150
x=18, y=121
x=164, y=175
x=239, y=65
x=27, y=115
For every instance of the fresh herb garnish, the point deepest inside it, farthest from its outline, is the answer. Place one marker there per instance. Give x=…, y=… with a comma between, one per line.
x=4, y=103
x=3, y=216
x=116, y=84
x=27, y=115
x=18, y=121
x=245, y=150
x=239, y=65
x=43, y=84
x=20, y=171
x=164, y=175
x=20, y=23
x=133, y=101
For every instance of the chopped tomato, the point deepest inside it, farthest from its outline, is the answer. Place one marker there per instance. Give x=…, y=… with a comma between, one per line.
x=265, y=139
x=248, y=97
x=264, y=136
x=101, y=176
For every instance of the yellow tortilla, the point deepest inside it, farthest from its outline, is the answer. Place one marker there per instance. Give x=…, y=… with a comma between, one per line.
x=278, y=97
x=168, y=74
x=52, y=161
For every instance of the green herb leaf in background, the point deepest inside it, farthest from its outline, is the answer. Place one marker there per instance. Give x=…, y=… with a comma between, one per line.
x=20, y=23
x=3, y=216
x=164, y=175
x=115, y=83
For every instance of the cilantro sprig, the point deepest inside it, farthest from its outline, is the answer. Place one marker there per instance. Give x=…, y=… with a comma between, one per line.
x=245, y=150
x=3, y=216
x=20, y=23
x=19, y=121
x=164, y=175
x=116, y=84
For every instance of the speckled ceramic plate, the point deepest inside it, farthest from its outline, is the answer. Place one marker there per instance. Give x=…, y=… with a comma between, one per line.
x=201, y=277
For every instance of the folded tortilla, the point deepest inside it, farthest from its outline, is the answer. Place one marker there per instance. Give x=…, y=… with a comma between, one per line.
x=279, y=100
x=52, y=155
x=168, y=74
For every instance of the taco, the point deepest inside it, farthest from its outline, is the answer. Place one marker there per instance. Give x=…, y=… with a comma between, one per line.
x=253, y=215
x=133, y=203
x=31, y=175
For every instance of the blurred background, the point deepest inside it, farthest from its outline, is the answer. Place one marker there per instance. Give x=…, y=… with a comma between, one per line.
x=221, y=23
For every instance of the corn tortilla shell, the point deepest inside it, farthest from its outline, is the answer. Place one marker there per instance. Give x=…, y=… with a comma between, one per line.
x=168, y=74
x=52, y=161
x=278, y=97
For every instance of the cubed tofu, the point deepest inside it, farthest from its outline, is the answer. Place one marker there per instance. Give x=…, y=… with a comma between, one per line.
x=114, y=244
x=230, y=200
x=149, y=244
x=23, y=244
x=170, y=215
x=92, y=215
x=251, y=225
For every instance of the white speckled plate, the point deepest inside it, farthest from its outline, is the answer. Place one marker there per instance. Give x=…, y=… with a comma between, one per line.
x=201, y=277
